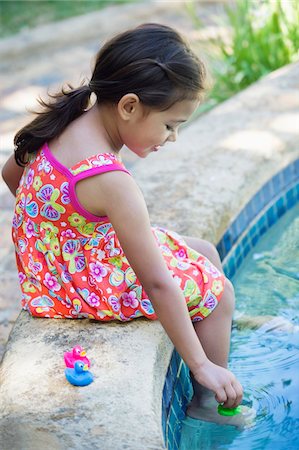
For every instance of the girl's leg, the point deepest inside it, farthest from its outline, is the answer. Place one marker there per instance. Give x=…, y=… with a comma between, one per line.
x=206, y=248
x=214, y=333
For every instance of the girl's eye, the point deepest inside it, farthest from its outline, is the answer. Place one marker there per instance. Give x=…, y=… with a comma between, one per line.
x=169, y=128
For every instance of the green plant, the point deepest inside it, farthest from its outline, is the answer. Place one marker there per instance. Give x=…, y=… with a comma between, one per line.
x=264, y=35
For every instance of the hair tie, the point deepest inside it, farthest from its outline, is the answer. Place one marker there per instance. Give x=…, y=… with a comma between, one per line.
x=162, y=66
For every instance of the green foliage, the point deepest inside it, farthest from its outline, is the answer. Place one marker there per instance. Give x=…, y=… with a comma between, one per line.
x=262, y=41
x=19, y=14
x=264, y=36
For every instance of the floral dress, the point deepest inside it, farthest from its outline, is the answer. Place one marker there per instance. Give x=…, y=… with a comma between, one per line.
x=70, y=262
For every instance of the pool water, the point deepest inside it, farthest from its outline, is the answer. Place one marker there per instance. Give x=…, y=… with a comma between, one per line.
x=265, y=360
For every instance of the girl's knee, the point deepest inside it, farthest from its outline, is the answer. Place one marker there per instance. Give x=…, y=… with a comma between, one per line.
x=210, y=251
x=228, y=297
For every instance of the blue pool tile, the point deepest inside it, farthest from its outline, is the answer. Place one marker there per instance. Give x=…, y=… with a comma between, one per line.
x=186, y=386
x=175, y=362
x=175, y=408
x=291, y=198
x=288, y=174
x=238, y=250
x=179, y=389
x=281, y=207
x=177, y=436
x=254, y=240
x=172, y=419
x=185, y=370
x=164, y=422
x=267, y=192
x=177, y=359
x=170, y=438
x=257, y=203
x=231, y=267
x=227, y=242
x=249, y=212
x=253, y=231
x=234, y=232
x=277, y=183
x=171, y=370
x=241, y=222
x=296, y=167
x=297, y=191
x=262, y=225
x=271, y=215
x=168, y=391
x=246, y=250
x=221, y=249
x=173, y=367
x=239, y=261
x=244, y=241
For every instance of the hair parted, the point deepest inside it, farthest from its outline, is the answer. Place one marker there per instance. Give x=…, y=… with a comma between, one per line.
x=152, y=61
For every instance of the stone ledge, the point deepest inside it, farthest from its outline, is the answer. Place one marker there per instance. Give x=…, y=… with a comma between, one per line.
x=121, y=409
x=195, y=187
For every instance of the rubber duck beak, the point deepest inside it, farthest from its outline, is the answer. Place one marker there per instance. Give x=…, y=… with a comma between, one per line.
x=83, y=353
x=85, y=367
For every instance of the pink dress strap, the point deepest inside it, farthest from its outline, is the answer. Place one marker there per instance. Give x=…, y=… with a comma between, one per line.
x=91, y=166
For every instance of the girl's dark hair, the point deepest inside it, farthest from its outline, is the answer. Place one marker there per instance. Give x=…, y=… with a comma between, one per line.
x=152, y=61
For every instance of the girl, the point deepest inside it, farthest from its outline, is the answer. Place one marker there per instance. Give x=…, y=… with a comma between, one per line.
x=83, y=240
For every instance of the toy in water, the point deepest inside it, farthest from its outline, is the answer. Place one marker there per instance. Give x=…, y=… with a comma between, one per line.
x=77, y=354
x=228, y=411
x=79, y=375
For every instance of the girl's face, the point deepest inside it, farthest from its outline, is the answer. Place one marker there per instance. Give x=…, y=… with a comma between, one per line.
x=146, y=132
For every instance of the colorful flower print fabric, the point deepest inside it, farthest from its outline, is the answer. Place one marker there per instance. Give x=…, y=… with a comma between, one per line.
x=70, y=262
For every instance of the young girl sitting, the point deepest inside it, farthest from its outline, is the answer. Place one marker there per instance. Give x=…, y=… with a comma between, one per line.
x=84, y=244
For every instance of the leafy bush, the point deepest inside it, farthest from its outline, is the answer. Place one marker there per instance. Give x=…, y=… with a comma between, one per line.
x=264, y=35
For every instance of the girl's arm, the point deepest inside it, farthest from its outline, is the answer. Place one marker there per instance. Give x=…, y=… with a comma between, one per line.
x=11, y=174
x=126, y=209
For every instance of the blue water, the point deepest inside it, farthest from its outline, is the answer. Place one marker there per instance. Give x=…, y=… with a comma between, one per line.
x=265, y=360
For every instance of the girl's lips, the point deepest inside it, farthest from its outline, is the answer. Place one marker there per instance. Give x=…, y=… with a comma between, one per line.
x=156, y=148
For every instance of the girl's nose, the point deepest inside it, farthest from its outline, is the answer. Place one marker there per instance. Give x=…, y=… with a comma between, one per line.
x=173, y=136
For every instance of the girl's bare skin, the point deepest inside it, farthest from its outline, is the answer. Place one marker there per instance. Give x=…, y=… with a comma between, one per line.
x=214, y=334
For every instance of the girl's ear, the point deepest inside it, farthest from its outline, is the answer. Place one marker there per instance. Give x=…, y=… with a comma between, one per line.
x=128, y=106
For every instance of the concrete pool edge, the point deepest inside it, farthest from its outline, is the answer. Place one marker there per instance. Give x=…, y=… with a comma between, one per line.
x=232, y=151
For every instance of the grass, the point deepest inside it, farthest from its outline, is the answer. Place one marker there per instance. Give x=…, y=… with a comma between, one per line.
x=17, y=15
x=264, y=35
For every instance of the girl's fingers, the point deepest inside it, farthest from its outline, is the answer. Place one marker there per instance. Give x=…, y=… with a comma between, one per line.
x=231, y=397
x=221, y=396
x=239, y=392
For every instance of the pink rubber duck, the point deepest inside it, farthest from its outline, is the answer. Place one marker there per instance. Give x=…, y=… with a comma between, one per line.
x=77, y=354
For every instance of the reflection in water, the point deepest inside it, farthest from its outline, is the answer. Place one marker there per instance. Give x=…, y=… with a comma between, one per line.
x=265, y=360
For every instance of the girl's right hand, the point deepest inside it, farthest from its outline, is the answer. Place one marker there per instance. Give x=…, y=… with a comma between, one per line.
x=222, y=382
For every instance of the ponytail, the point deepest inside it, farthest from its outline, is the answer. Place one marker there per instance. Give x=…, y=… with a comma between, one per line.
x=67, y=106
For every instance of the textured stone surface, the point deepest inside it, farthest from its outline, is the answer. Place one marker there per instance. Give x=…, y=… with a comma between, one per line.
x=38, y=404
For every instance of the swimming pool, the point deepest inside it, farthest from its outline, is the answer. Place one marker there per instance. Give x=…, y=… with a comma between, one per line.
x=260, y=256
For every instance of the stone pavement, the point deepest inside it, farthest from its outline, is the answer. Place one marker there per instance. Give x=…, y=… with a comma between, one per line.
x=42, y=59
